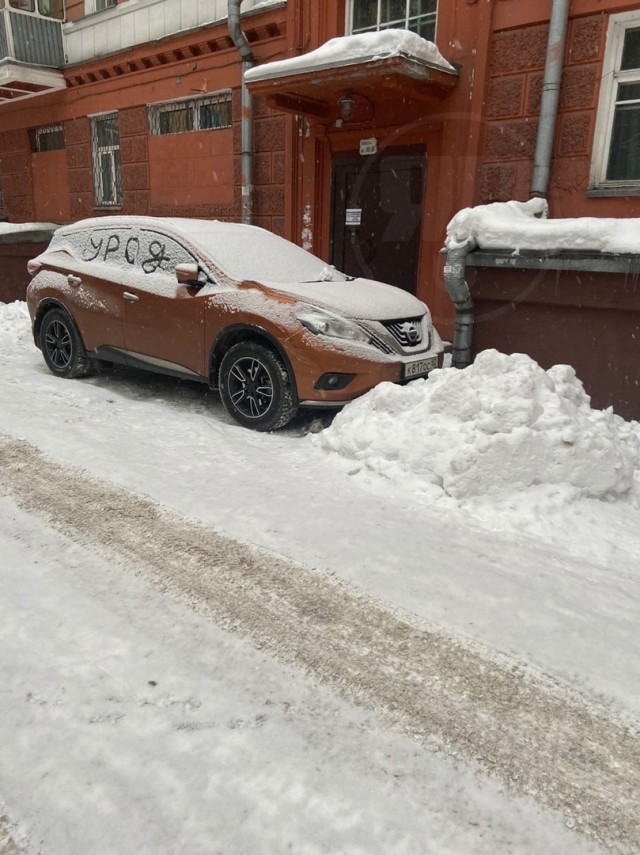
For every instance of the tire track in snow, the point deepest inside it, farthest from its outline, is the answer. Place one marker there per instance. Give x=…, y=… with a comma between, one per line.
x=541, y=741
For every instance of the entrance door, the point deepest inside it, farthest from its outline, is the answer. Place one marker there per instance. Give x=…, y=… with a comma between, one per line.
x=377, y=209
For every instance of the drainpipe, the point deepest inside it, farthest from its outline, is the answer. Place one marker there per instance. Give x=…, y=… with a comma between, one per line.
x=550, y=97
x=461, y=298
x=248, y=61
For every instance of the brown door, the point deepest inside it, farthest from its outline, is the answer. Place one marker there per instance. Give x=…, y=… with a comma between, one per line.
x=377, y=210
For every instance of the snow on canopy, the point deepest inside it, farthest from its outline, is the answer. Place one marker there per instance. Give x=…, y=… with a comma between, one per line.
x=351, y=50
x=527, y=226
x=18, y=228
x=503, y=424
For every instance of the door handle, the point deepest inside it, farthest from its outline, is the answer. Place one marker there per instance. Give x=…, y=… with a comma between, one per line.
x=74, y=280
x=132, y=298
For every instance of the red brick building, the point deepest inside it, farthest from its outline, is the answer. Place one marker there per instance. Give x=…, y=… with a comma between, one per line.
x=136, y=107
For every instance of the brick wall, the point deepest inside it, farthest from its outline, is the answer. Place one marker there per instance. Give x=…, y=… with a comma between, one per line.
x=513, y=103
x=17, y=186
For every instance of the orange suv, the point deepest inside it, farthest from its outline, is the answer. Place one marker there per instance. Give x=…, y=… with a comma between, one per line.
x=268, y=324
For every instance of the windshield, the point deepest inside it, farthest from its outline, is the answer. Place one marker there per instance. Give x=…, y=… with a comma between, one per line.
x=248, y=252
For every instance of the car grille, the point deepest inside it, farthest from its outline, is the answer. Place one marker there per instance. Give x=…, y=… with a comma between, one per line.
x=401, y=336
x=407, y=333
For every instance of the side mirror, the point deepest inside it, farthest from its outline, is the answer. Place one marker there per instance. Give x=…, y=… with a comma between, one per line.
x=188, y=274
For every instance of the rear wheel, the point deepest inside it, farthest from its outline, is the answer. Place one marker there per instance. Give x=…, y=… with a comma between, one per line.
x=255, y=387
x=62, y=346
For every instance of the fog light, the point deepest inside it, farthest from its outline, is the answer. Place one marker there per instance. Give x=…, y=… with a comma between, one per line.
x=334, y=381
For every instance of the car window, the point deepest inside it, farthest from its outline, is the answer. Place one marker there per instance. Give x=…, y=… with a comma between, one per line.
x=142, y=250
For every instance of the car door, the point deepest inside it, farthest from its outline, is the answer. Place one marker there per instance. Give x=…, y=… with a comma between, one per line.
x=163, y=320
x=88, y=291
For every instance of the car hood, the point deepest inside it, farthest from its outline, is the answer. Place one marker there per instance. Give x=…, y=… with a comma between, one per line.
x=364, y=299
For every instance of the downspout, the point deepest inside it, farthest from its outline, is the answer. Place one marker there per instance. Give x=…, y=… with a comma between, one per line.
x=550, y=97
x=461, y=298
x=240, y=41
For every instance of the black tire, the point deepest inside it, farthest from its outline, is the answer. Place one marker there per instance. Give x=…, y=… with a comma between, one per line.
x=255, y=386
x=62, y=347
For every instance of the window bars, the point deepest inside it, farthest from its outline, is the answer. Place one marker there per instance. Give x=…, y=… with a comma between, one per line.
x=212, y=112
x=105, y=144
x=47, y=138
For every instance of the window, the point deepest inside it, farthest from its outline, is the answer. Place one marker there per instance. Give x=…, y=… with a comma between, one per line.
x=105, y=143
x=616, y=152
x=49, y=138
x=419, y=16
x=91, y=6
x=47, y=8
x=196, y=114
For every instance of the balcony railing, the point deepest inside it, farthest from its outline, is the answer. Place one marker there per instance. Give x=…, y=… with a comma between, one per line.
x=31, y=39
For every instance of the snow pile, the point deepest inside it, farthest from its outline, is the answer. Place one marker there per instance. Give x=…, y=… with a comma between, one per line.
x=503, y=423
x=525, y=226
x=351, y=50
x=15, y=325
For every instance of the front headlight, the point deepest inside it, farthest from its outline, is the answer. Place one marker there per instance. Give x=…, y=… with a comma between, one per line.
x=321, y=322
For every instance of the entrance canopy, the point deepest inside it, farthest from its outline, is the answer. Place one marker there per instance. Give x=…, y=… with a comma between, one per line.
x=353, y=73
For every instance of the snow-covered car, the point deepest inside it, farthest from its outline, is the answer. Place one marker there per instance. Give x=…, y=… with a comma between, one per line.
x=251, y=314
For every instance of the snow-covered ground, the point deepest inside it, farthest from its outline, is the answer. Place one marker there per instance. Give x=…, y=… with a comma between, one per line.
x=129, y=724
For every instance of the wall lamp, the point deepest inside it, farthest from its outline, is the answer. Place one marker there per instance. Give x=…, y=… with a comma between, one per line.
x=346, y=104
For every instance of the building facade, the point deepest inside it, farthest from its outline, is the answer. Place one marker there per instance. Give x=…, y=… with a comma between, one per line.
x=136, y=107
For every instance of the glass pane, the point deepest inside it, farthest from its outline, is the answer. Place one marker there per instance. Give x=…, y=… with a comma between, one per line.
x=107, y=132
x=176, y=121
x=422, y=7
x=624, y=157
x=628, y=92
x=51, y=8
x=215, y=115
x=24, y=5
x=365, y=14
x=631, y=50
x=49, y=139
x=393, y=10
x=425, y=27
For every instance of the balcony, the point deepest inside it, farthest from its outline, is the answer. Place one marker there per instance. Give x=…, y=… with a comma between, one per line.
x=31, y=54
x=137, y=22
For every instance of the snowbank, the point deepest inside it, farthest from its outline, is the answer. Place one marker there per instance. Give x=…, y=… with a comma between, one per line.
x=525, y=225
x=351, y=50
x=503, y=423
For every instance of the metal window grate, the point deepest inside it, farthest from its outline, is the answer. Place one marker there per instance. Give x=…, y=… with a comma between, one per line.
x=105, y=143
x=195, y=114
x=48, y=138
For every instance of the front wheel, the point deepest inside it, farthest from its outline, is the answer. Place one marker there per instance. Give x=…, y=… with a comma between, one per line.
x=255, y=387
x=62, y=346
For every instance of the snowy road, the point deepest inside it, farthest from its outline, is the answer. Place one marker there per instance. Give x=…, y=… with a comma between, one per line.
x=344, y=691
x=450, y=697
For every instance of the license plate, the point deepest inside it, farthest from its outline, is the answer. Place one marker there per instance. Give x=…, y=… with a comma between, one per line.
x=420, y=367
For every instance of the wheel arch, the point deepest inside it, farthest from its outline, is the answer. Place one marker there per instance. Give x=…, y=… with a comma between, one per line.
x=247, y=332
x=46, y=305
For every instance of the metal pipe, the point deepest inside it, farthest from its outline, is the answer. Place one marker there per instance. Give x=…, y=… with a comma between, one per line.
x=461, y=298
x=550, y=97
x=248, y=61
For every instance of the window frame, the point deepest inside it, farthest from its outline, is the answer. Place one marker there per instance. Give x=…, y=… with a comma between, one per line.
x=193, y=107
x=603, y=134
x=112, y=151
x=41, y=132
x=380, y=26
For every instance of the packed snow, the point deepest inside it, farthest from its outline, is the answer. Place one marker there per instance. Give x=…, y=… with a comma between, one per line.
x=352, y=50
x=527, y=226
x=492, y=502
x=502, y=424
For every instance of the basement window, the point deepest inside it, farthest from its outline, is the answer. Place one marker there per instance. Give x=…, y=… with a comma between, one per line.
x=212, y=112
x=48, y=138
x=615, y=166
x=419, y=16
